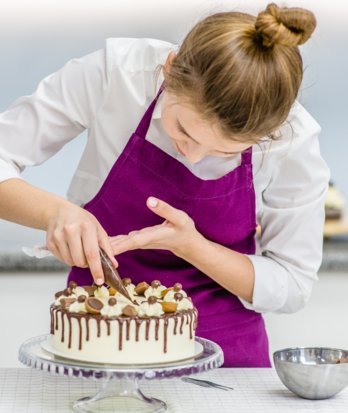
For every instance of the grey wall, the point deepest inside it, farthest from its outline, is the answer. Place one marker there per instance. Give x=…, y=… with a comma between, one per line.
x=38, y=37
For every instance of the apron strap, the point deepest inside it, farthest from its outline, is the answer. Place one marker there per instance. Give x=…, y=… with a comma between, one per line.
x=146, y=119
x=247, y=156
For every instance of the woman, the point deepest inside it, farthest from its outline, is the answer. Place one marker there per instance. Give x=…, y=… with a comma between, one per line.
x=223, y=144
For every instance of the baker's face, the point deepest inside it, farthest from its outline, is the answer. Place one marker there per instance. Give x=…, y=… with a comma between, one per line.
x=192, y=136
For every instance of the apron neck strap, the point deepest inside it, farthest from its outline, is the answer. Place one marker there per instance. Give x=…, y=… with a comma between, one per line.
x=247, y=156
x=146, y=119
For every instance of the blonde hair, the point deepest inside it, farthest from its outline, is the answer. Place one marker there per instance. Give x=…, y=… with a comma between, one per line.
x=242, y=71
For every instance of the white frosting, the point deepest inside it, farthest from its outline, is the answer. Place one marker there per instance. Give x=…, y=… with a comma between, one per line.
x=170, y=295
x=156, y=292
x=122, y=299
x=77, y=307
x=146, y=309
x=57, y=302
x=130, y=288
x=79, y=291
x=184, y=304
x=112, y=310
x=76, y=292
x=101, y=292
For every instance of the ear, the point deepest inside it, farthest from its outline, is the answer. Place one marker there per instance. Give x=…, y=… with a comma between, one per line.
x=170, y=59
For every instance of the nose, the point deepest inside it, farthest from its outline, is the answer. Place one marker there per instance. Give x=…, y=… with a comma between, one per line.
x=195, y=153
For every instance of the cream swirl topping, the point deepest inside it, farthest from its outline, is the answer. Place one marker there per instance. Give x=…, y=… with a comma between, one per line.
x=146, y=309
x=170, y=295
x=112, y=310
x=155, y=291
x=101, y=292
x=77, y=307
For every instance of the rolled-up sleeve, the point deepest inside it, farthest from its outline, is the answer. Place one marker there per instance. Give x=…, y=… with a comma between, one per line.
x=36, y=126
x=292, y=221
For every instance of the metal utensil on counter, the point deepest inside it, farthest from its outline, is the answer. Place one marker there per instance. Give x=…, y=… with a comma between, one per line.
x=206, y=383
x=112, y=277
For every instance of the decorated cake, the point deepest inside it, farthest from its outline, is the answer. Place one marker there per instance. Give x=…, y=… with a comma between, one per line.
x=98, y=324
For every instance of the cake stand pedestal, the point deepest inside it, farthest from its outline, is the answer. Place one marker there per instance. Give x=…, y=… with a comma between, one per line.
x=119, y=384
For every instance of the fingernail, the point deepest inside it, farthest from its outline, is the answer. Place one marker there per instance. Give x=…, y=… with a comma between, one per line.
x=99, y=281
x=152, y=202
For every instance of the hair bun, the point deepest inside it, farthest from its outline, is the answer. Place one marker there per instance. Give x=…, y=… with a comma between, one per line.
x=285, y=26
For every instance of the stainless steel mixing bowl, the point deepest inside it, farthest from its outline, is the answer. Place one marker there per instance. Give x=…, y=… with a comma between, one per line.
x=312, y=372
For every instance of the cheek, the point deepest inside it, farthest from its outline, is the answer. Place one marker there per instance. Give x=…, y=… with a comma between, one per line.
x=168, y=124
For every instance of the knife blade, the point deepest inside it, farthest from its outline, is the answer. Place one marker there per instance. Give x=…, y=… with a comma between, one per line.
x=112, y=277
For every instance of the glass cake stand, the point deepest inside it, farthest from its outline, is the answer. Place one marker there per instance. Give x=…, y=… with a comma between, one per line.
x=119, y=384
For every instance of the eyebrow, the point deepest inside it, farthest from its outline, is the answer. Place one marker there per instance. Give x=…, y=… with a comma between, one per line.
x=194, y=140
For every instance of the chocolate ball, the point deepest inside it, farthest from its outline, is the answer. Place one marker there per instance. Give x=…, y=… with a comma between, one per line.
x=155, y=284
x=112, y=301
x=152, y=299
x=67, y=292
x=81, y=298
x=72, y=285
x=126, y=281
x=177, y=287
x=178, y=296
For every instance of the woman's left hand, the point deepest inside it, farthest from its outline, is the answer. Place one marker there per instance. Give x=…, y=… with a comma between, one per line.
x=175, y=234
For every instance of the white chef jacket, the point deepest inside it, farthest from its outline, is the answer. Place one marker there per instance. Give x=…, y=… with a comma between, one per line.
x=108, y=91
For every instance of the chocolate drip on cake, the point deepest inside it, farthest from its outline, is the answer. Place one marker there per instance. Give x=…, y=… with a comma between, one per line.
x=80, y=333
x=62, y=319
x=175, y=323
x=52, y=321
x=70, y=332
x=165, y=334
x=127, y=329
x=147, y=329
x=189, y=315
x=98, y=327
x=120, y=331
x=137, y=328
x=56, y=320
x=87, y=328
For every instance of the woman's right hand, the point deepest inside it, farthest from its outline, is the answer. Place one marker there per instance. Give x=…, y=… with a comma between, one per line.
x=74, y=236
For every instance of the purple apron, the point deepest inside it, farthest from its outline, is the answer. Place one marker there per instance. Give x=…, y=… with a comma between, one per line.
x=223, y=210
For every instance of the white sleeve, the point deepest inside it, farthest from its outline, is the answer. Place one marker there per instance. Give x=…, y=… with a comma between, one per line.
x=292, y=224
x=35, y=127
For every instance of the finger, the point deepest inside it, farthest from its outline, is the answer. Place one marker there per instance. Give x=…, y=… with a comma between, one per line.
x=76, y=252
x=146, y=238
x=166, y=211
x=91, y=250
x=127, y=244
x=59, y=247
x=116, y=239
x=64, y=252
x=54, y=250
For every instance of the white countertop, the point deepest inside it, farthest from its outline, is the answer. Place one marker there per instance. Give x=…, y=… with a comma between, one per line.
x=255, y=390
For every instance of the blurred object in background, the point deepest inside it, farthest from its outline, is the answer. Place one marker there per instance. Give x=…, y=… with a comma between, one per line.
x=334, y=203
x=336, y=218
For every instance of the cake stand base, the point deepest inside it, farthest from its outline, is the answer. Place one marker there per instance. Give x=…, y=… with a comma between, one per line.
x=117, y=395
x=118, y=384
